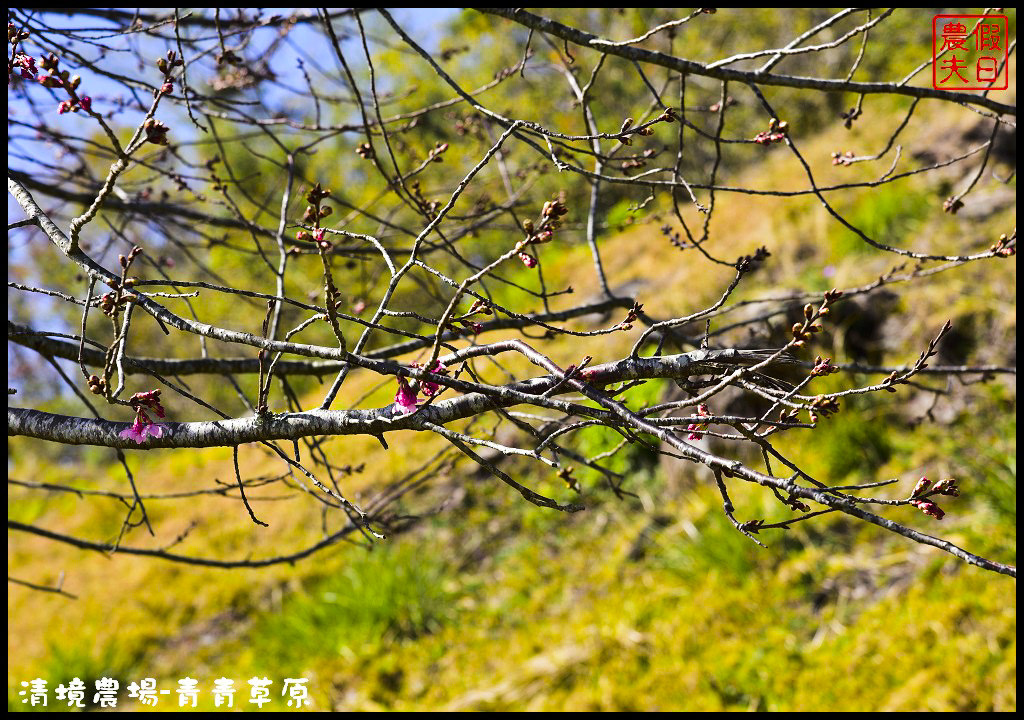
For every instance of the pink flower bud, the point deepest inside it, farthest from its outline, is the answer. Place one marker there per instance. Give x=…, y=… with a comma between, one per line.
x=929, y=508
x=922, y=485
x=405, y=398
x=528, y=260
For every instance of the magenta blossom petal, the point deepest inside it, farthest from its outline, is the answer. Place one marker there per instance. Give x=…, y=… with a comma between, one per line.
x=142, y=427
x=136, y=432
x=431, y=388
x=405, y=398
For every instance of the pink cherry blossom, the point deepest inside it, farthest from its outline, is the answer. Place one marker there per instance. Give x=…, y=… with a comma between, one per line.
x=141, y=427
x=27, y=63
x=431, y=388
x=136, y=432
x=405, y=398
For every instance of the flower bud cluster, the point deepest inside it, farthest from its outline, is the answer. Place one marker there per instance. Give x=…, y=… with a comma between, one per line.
x=674, y=237
x=427, y=207
x=776, y=132
x=924, y=489
x=75, y=104
x=14, y=35
x=845, y=158
x=749, y=263
x=50, y=77
x=793, y=502
x=631, y=316
x=156, y=131
x=544, y=230
x=645, y=131
x=429, y=388
x=849, y=116
x=697, y=429
x=752, y=526
x=166, y=66
x=150, y=400
x=1005, y=246
x=892, y=379
x=789, y=415
x=112, y=303
x=637, y=162
x=468, y=125
x=97, y=385
x=406, y=397
x=437, y=151
x=823, y=367
x=27, y=63
x=317, y=195
x=802, y=332
x=479, y=307
x=824, y=405
x=668, y=116
x=315, y=212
